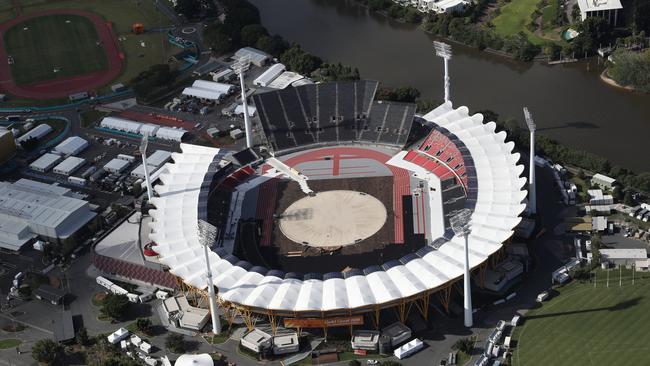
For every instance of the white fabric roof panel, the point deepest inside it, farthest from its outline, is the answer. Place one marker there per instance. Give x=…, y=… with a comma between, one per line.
x=498, y=205
x=71, y=146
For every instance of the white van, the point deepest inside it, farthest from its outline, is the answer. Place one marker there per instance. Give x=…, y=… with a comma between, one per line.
x=542, y=297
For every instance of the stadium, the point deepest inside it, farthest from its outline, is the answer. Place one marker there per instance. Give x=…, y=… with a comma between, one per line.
x=342, y=210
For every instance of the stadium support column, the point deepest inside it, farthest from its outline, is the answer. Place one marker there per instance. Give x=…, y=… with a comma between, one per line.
x=460, y=224
x=532, y=194
x=207, y=236
x=240, y=67
x=143, y=152
x=444, y=50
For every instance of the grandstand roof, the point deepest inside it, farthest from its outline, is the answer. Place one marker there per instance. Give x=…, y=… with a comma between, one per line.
x=497, y=206
x=332, y=113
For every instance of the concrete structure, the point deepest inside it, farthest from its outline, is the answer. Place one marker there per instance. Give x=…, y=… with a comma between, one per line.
x=71, y=146
x=366, y=340
x=179, y=311
x=7, y=145
x=45, y=162
x=285, y=342
x=269, y=75
x=603, y=181
x=253, y=55
x=37, y=132
x=69, y=165
x=257, y=340
x=606, y=9
x=532, y=191
x=116, y=166
x=397, y=332
x=29, y=208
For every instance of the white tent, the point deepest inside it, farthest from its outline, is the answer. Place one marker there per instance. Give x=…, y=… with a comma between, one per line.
x=202, y=93
x=202, y=359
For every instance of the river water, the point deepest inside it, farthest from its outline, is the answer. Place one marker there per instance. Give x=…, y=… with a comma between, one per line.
x=569, y=102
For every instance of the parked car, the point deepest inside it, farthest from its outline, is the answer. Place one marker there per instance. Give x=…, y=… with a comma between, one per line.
x=542, y=296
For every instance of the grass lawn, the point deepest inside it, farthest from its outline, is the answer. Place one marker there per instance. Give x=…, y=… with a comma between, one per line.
x=515, y=17
x=9, y=343
x=90, y=116
x=53, y=46
x=587, y=325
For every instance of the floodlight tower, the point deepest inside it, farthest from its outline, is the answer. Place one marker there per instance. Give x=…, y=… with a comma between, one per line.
x=143, y=152
x=460, y=224
x=240, y=67
x=207, y=236
x=444, y=50
x=532, y=194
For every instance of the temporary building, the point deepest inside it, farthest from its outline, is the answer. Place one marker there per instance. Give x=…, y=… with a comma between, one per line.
x=45, y=162
x=269, y=75
x=121, y=124
x=37, y=132
x=214, y=86
x=172, y=134
x=203, y=93
x=253, y=55
x=158, y=158
x=116, y=166
x=71, y=146
x=202, y=359
x=69, y=165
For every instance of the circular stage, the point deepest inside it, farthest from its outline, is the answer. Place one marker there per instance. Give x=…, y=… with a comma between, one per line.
x=333, y=218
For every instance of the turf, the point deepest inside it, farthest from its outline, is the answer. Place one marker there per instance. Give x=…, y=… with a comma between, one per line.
x=53, y=46
x=514, y=17
x=587, y=325
x=9, y=343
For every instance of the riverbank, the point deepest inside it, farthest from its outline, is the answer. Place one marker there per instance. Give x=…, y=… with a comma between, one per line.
x=604, y=76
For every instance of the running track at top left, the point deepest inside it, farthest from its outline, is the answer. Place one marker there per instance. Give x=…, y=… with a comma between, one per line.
x=63, y=87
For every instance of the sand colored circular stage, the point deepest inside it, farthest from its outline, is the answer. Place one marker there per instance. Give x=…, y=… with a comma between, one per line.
x=333, y=218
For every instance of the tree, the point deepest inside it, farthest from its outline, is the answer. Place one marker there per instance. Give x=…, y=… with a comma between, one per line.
x=189, y=8
x=405, y=94
x=464, y=345
x=627, y=199
x=251, y=33
x=354, y=363
x=115, y=306
x=217, y=37
x=175, y=343
x=82, y=336
x=143, y=324
x=150, y=80
x=300, y=61
x=273, y=45
x=48, y=351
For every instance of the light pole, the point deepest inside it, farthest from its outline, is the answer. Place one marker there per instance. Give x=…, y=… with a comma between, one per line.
x=532, y=194
x=444, y=50
x=240, y=67
x=143, y=152
x=460, y=224
x=207, y=236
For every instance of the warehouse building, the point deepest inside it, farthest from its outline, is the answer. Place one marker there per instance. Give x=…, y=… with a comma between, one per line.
x=214, y=86
x=269, y=75
x=603, y=181
x=116, y=166
x=255, y=56
x=69, y=165
x=29, y=209
x=45, y=162
x=71, y=146
x=37, y=132
x=128, y=126
x=7, y=145
x=158, y=158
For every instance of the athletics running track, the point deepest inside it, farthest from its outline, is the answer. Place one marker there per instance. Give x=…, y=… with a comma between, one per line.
x=62, y=87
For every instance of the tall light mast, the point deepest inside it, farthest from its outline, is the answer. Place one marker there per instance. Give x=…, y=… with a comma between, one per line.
x=240, y=67
x=207, y=236
x=532, y=194
x=444, y=50
x=460, y=224
x=143, y=152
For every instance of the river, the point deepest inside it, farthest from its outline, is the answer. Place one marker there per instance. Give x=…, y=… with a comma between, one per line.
x=569, y=102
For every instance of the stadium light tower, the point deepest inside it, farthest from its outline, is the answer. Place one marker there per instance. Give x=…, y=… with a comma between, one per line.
x=240, y=67
x=444, y=50
x=207, y=236
x=460, y=224
x=532, y=194
x=143, y=152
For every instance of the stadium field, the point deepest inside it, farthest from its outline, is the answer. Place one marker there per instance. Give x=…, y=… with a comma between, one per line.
x=587, y=324
x=52, y=47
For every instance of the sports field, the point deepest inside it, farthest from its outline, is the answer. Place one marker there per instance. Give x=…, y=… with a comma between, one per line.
x=53, y=46
x=589, y=325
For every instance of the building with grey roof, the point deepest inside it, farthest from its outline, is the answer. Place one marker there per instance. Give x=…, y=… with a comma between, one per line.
x=37, y=132
x=69, y=165
x=71, y=146
x=116, y=166
x=29, y=209
x=45, y=162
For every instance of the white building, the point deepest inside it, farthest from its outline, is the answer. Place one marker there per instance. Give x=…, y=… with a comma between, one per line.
x=138, y=172
x=120, y=124
x=285, y=342
x=603, y=181
x=45, y=162
x=257, y=340
x=37, y=132
x=596, y=197
x=214, y=86
x=203, y=93
x=183, y=315
x=69, y=165
x=29, y=208
x=116, y=166
x=125, y=125
x=606, y=9
x=269, y=75
x=71, y=146
x=623, y=257
x=449, y=6
x=255, y=56
x=365, y=339
x=158, y=158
